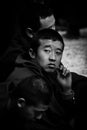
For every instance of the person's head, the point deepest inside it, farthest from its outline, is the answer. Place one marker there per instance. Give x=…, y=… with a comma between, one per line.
x=31, y=97
x=47, y=48
x=45, y=18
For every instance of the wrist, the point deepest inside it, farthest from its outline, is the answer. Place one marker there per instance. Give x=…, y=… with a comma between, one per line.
x=69, y=95
x=68, y=92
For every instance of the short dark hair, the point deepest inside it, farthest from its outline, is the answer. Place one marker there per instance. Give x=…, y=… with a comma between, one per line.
x=34, y=90
x=45, y=34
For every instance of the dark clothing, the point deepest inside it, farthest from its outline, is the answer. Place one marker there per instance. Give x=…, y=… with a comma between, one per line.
x=62, y=109
x=18, y=45
x=80, y=89
x=13, y=121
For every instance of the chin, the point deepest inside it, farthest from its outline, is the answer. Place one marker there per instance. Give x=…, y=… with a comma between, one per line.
x=50, y=70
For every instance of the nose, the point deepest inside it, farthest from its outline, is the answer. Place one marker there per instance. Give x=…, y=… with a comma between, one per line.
x=52, y=56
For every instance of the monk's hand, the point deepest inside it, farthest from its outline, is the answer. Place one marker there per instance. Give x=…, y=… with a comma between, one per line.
x=64, y=77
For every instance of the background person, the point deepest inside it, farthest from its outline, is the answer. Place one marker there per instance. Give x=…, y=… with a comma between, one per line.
x=29, y=101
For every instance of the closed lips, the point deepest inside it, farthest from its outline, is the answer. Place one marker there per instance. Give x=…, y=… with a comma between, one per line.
x=51, y=65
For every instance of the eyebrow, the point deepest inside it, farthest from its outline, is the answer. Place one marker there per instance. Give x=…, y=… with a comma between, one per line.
x=59, y=49
x=46, y=46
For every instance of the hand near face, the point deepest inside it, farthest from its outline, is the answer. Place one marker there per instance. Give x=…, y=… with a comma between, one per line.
x=64, y=77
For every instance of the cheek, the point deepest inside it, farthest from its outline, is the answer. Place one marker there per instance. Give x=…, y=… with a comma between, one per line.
x=42, y=57
x=58, y=60
x=29, y=113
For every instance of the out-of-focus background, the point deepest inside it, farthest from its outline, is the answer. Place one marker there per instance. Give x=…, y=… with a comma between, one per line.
x=75, y=55
x=71, y=21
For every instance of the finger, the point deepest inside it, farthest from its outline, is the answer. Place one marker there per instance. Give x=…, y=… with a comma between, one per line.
x=64, y=71
x=67, y=72
x=61, y=67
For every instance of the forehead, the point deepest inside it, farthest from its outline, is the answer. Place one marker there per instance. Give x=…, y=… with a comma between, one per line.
x=50, y=43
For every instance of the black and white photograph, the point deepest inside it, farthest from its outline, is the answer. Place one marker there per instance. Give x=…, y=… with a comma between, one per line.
x=43, y=65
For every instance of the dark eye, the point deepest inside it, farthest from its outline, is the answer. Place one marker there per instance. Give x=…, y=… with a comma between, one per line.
x=58, y=52
x=47, y=50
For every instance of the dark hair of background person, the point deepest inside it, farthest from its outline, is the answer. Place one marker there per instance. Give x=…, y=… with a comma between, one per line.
x=34, y=90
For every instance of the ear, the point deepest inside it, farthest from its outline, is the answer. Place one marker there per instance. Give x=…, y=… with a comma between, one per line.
x=21, y=102
x=31, y=53
x=29, y=32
